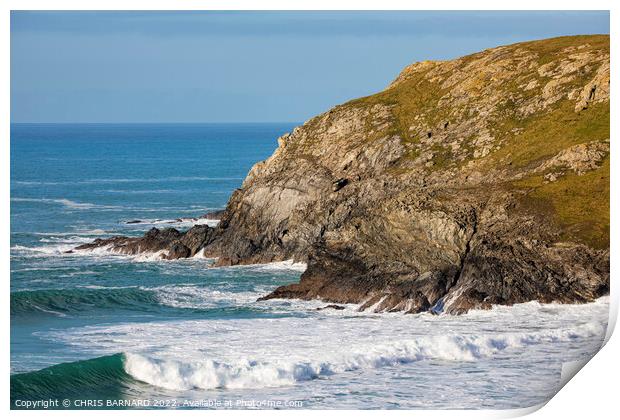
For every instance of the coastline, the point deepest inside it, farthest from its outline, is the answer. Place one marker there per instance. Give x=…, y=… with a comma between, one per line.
x=453, y=189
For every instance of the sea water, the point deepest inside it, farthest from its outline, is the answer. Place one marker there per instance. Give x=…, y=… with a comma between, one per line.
x=93, y=326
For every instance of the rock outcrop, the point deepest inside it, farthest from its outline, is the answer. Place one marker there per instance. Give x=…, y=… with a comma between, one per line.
x=466, y=183
x=170, y=243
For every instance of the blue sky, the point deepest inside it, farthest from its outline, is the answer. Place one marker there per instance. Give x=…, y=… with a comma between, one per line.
x=240, y=66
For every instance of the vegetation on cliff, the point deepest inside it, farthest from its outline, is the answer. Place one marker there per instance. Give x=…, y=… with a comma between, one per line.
x=465, y=183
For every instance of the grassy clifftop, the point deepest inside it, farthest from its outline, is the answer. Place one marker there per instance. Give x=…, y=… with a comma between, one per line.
x=507, y=111
x=466, y=183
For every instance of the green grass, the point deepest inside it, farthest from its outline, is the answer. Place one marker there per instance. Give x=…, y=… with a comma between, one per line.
x=578, y=204
x=544, y=135
x=548, y=49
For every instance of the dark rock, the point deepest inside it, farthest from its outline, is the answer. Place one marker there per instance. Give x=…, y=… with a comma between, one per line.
x=339, y=184
x=214, y=215
x=336, y=307
x=437, y=220
x=178, y=250
x=175, y=244
x=441, y=221
x=196, y=238
x=131, y=222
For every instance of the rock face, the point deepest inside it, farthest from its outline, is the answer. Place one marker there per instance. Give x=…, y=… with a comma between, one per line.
x=466, y=183
x=171, y=243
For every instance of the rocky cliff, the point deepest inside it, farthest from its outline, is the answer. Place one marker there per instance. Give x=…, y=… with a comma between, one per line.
x=466, y=183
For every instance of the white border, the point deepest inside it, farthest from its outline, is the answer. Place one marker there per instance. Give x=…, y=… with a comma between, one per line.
x=593, y=394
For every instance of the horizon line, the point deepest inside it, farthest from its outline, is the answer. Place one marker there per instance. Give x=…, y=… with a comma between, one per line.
x=156, y=122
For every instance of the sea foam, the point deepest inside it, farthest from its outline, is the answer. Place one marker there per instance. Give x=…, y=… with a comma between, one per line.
x=214, y=353
x=253, y=373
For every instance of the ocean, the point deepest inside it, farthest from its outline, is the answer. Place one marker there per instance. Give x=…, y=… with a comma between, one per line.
x=97, y=330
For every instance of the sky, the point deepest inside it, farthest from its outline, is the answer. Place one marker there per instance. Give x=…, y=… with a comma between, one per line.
x=240, y=66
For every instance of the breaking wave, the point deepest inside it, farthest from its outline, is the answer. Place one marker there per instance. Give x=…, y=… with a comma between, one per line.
x=63, y=302
x=87, y=378
x=121, y=372
x=212, y=374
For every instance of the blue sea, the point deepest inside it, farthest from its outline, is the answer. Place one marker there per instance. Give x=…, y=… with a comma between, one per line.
x=99, y=330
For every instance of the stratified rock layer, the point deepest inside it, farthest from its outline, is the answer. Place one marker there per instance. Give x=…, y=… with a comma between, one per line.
x=466, y=183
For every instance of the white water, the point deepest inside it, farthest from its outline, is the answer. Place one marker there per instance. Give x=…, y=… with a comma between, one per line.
x=519, y=349
x=210, y=354
x=253, y=373
x=57, y=244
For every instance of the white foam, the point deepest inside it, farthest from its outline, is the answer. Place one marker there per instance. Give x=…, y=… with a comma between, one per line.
x=60, y=247
x=214, y=353
x=209, y=374
x=49, y=311
x=43, y=251
x=109, y=251
x=251, y=373
x=287, y=265
x=196, y=297
x=87, y=232
x=200, y=254
x=205, y=221
x=375, y=305
x=73, y=240
x=92, y=232
x=150, y=256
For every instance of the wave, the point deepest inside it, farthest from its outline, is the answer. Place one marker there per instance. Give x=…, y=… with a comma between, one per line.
x=211, y=374
x=68, y=239
x=60, y=302
x=195, y=297
x=88, y=232
x=60, y=247
x=57, y=249
x=128, y=180
x=63, y=302
x=93, y=378
x=65, y=248
x=70, y=204
x=153, y=191
x=75, y=205
x=124, y=372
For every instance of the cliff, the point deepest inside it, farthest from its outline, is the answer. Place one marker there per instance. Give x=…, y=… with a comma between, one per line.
x=465, y=183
